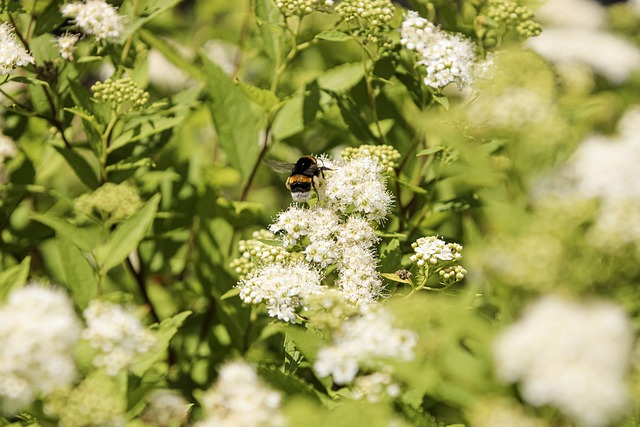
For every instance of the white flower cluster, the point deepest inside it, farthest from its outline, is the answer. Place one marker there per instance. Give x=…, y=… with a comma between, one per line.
x=38, y=331
x=447, y=57
x=282, y=287
x=12, y=52
x=67, y=45
x=357, y=186
x=118, y=335
x=605, y=169
x=375, y=387
x=7, y=148
x=240, y=399
x=431, y=250
x=97, y=18
x=166, y=408
x=362, y=341
x=569, y=355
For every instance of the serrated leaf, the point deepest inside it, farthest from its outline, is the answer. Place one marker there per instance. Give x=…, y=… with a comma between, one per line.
x=64, y=228
x=237, y=123
x=266, y=99
x=333, y=36
x=166, y=330
x=13, y=278
x=79, y=276
x=127, y=236
x=80, y=166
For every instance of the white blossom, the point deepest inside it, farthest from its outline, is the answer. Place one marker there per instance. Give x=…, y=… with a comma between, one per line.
x=12, y=53
x=358, y=277
x=67, y=45
x=358, y=186
x=38, y=331
x=361, y=342
x=166, y=408
x=607, y=54
x=586, y=14
x=97, y=18
x=240, y=399
x=284, y=288
x=118, y=335
x=433, y=250
x=570, y=355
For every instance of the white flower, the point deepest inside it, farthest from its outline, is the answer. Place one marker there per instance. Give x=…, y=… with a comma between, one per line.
x=97, y=18
x=7, y=147
x=358, y=278
x=67, y=45
x=358, y=186
x=12, y=52
x=118, y=335
x=587, y=14
x=569, y=355
x=362, y=341
x=284, y=288
x=607, y=54
x=38, y=331
x=292, y=224
x=166, y=408
x=240, y=399
x=447, y=57
x=433, y=250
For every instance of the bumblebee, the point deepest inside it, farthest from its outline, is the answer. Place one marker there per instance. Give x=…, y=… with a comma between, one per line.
x=304, y=175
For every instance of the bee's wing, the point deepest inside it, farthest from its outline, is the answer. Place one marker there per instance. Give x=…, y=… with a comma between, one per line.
x=280, y=167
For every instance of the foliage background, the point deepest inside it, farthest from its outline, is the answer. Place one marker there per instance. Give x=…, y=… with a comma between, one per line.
x=233, y=82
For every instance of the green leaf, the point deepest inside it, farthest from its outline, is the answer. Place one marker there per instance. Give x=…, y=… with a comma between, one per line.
x=80, y=166
x=342, y=77
x=442, y=100
x=237, y=124
x=152, y=10
x=396, y=278
x=49, y=19
x=79, y=276
x=410, y=186
x=268, y=15
x=390, y=256
x=77, y=235
x=333, y=36
x=171, y=53
x=264, y=98
x=166, y=330
x=126, y=237
x=290, y=118
x=233, y=292
x=429, y=151
x=13, y=278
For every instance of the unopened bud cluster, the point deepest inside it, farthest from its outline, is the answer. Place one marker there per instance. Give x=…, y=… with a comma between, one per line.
x=301, y=7
x=372, y=16
x=111, y=202
x=254, y=253
x=387, y=155
x=116, y=93
x=512, y=15
x=452, y=274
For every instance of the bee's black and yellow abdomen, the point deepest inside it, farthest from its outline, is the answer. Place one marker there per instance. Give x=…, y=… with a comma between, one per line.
x=300, y=187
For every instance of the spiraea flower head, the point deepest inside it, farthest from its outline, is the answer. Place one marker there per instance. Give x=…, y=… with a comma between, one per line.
x=113, y=203
x=375, y=387
x=361, y=342
x=446, y=57
x=371, y=16
x=7, y=148
x=67, y=45
x=283, y=287
x=118, y=336
x=12, y=52
x=239, y=398
x=121, y=94
x=255, y=253
x=358, y=186
x=302, y=7
x=97, y=18
x=166, y=408
x=570, y=355
x=432, y=250
x=38, y=331
x=358, y=278
x=386, y=155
